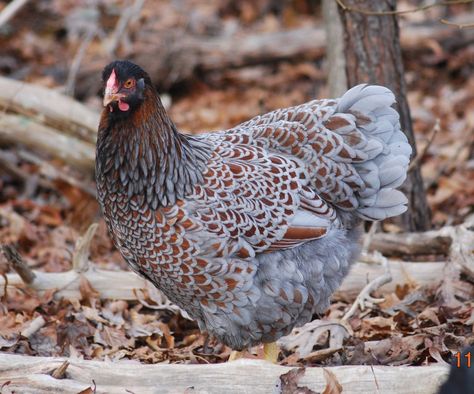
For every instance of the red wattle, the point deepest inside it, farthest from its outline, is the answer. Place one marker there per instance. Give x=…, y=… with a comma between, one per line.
x=123, y=106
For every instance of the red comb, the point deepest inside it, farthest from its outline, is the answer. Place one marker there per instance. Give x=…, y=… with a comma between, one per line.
x=112, y=81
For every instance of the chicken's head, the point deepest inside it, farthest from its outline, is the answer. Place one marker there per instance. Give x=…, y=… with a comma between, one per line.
x=124, y=86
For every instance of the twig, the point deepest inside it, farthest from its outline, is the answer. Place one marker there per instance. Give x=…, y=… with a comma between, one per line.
x=459, y=25
x=49, y=171
x=322, y=354
x=364, y=296
x=375, y=378
x=60, y=372
x=77, y=60
x=33, y=327
x=4, y=296
x=414, y=163
x=17, y=263
x=369, y=237
x=10, y=10
x=8, y=164
x=304, y=338
x=127, y=15
x=452, y=163
x=401, y=12
x=80, y=258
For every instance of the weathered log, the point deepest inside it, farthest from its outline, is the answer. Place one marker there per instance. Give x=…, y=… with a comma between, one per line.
x=33, y=375
x=411, y=244
x=127, y=285
x=181, y=56
x=49, y=107
x=38, y=137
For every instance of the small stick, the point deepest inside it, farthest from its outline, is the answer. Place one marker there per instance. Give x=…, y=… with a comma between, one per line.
x=53, y=173
x=18, y=264
x=458, y=25
x=370, y=235
x=414, y=163
x=4, y=296
x=77, y=60
x=401, y=12
x=60, y=372
x=33, y=327
x=80, y=258
x=364, y=294
x=10, y=10
x=128, y=15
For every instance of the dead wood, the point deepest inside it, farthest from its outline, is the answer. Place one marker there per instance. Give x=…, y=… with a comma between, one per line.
x=179, y=56
x=49, y=108
x=10, y=10
x=38, y=137
x=27, y=374
x=410, y=244
x=121, y=285
x=126, y=285
x=16, y=261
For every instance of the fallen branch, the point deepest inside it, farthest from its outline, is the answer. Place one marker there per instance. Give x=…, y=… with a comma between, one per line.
x=128, y=15
x=80, y=257
x=33, y=374
x=364, y=295
x=49, y=173
x=37, y=137
x=10, y=10
x=34, y=326
x=182, y=56
x=435, y=242
x=17, y=263
x=125, y=285
x=49, y=108
x=129, y=286
x=402, y=12
x=416, y=161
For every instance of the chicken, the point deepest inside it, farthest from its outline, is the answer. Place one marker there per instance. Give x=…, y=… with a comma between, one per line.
x=249, y=230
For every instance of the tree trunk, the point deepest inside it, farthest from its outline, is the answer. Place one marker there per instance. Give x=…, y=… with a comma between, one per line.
x=373, y=55
x=336, y=65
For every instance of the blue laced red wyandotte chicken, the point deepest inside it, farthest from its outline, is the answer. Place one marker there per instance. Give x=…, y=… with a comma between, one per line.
x=249, y=230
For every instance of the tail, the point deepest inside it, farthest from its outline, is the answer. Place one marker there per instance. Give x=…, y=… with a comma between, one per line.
x=387, y=148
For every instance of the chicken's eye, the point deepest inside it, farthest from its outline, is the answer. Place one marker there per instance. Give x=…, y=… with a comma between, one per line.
x=129, y=83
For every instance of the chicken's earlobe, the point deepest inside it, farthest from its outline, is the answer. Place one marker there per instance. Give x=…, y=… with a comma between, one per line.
x=141, y=88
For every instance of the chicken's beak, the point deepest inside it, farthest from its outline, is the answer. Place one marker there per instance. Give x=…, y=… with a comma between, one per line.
x=111, y=96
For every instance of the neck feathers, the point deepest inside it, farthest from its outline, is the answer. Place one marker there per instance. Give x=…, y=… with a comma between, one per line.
x=143, y=155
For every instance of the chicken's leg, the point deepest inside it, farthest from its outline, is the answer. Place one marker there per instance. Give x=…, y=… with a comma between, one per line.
x=270, y=352
x=235, y=355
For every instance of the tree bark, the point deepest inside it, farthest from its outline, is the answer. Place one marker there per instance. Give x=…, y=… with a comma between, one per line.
x=336, y=65
x=33, y=375
x=373, y=55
